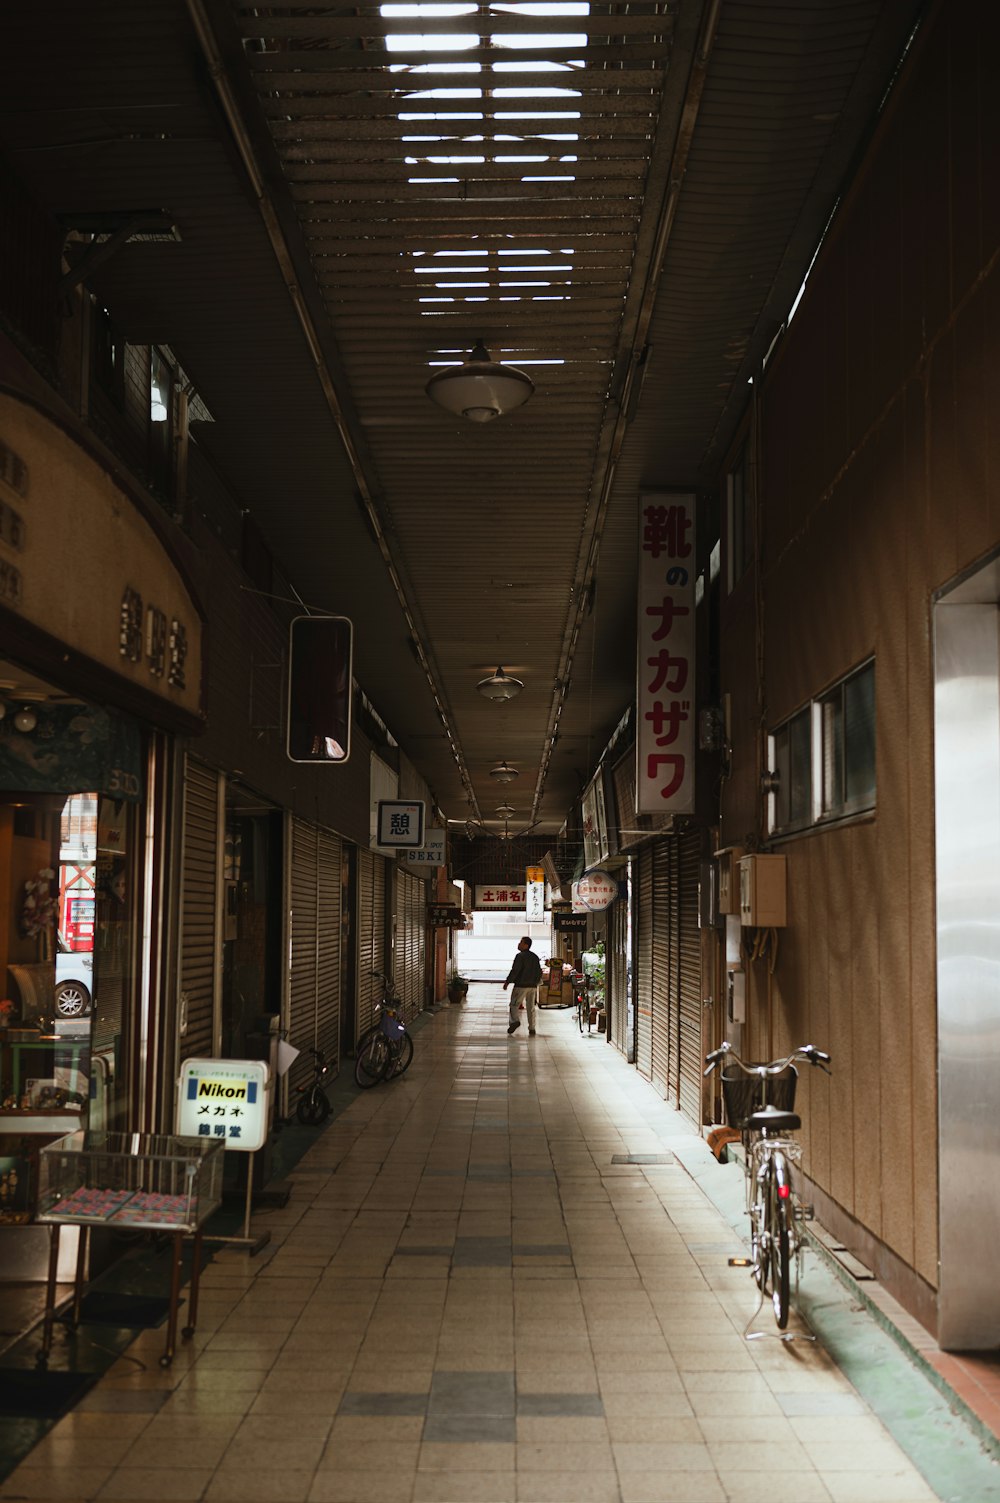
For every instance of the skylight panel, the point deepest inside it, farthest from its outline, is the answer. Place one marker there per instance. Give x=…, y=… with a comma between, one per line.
x=442, y=41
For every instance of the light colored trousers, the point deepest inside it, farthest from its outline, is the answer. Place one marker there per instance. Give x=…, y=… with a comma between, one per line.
x=529, y=996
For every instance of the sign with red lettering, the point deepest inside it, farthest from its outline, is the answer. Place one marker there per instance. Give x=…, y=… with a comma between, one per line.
x=503, y=895
x=665, y=688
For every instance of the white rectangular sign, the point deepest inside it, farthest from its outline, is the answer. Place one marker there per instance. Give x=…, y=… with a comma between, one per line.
x=400, y=824
x=534, y=902
x=224, y=1098
x=665, y=688
x=501, y=895
x=432, y=851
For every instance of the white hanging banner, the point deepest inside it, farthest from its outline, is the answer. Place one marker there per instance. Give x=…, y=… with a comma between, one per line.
x=665, y=680
x=534, y=893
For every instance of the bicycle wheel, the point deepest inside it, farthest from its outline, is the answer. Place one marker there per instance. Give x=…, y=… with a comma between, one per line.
x=313, y=1108
x=780, y=1260
x=400, y=1056
x=759, y=1243
x=371, y=1062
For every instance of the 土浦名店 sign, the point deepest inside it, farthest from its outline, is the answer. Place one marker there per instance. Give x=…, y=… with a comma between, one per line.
x=501, y=895
x=224, y=1098
x=665, y=678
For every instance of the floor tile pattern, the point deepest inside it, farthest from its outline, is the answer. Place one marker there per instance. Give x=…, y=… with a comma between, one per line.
x=494, y=1282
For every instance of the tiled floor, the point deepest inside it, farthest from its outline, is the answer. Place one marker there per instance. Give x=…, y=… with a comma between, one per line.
x=468, y=1300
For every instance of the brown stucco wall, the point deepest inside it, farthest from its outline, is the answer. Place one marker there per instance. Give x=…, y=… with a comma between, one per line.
x=878, y=473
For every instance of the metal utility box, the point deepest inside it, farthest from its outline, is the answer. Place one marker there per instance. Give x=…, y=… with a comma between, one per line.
x=762, y=892
x=728, y=899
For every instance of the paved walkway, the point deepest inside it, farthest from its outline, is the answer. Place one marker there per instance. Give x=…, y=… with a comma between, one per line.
x=473, y=1296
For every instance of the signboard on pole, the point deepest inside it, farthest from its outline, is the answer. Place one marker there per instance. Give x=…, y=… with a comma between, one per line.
x=224, y=1098
x=595, y=891
x=665, y=679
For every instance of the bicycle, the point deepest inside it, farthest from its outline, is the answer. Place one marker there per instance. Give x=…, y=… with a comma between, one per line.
x=581, y=990
x=314, y=1104
x=385, y=1049
x=759, y=1100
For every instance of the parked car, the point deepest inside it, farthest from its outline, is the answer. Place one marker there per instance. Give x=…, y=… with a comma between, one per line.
x=74, y=981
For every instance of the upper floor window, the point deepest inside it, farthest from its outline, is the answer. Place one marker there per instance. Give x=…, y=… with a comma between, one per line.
x=823, y=757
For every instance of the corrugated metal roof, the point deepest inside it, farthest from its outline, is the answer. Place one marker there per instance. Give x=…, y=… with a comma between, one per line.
x=632, y=236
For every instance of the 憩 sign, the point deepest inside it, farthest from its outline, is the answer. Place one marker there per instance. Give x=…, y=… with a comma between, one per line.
x=400, y=824
x=665, y=686
x=224, y=1098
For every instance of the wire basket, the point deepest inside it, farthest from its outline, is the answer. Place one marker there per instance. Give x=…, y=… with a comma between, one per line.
x=745, y=1094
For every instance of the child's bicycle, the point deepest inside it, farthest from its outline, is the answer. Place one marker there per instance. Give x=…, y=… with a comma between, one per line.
x=314, y=1105
x=384, y=1051
x=759, y=1101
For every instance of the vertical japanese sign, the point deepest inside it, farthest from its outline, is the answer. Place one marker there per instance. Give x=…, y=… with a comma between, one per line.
x=665, y=734
x=534, y=893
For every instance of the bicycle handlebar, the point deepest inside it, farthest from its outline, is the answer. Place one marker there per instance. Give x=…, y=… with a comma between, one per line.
x=807, y=1052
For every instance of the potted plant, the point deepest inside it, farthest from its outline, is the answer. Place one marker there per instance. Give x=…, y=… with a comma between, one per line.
x=458, y=986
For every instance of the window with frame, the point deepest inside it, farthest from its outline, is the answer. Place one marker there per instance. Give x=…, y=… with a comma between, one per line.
x=823, y=757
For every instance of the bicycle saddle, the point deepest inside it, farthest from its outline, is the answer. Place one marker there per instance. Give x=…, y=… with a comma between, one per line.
x=773, y=1119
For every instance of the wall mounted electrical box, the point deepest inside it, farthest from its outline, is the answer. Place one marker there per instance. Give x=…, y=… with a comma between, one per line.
x=728, y=897
x=762, y=892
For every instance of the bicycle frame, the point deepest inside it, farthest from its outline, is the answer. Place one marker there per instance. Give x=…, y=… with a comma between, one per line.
x=773, y=1205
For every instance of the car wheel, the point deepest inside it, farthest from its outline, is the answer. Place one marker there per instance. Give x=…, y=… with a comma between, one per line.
x=72, y=999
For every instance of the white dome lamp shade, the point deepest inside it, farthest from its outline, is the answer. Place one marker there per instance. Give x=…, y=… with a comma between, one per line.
x=499, y=686
x=480, y=390
x=503, y=773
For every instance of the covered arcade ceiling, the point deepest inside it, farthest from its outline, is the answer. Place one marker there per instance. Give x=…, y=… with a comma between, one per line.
x=620, y=200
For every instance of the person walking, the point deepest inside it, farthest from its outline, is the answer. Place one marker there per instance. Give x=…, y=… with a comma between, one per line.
x=525, y=974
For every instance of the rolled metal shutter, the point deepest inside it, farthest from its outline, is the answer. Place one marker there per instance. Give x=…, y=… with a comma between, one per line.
x=410, y=912
x=314, y=936
x=199, y=941
x=617, y=975
x=371, y=933
x=690, y=1011
x=644, y=968
x=662, y=1023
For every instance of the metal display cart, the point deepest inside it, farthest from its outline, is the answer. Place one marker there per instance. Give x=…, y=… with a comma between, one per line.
x=137, y=1180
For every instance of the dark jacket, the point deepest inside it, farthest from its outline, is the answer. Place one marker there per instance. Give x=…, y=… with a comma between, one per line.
x=526, y=970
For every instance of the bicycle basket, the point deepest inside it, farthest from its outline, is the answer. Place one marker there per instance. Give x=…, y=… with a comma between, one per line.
x=744, y=1094
x=392, y=1026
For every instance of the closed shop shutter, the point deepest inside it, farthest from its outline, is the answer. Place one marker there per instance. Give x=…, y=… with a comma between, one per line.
x=199, y=952
x=315, y=927
x=644, y=968
x=617, y=975
x=662, y=946
x=371, y=933
x=690, y=1009
x=410, y=911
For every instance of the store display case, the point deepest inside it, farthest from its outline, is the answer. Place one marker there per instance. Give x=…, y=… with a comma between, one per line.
x=159, y=1183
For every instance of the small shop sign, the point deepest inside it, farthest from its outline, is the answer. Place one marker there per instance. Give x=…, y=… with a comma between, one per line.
x=501, y=896
x=595, y=891
x=431, y=852
x=400, y=825
x=225, y=1099
x=445, y=916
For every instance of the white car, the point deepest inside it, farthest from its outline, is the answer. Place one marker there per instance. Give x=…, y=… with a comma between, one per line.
x=74, y=981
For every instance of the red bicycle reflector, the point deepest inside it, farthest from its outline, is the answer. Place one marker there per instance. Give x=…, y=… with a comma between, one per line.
x=783, y=1192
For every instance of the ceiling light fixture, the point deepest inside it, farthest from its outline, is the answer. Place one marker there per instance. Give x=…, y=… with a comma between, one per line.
x=25, y=720
x=505, y=811
x=499, y=686
x=503, y=773
x=481, y=389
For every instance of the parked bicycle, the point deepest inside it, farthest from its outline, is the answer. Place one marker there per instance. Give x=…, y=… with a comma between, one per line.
x=759, y=1100
x=314, y=1104
x=584, y=1011
x=385, y=1050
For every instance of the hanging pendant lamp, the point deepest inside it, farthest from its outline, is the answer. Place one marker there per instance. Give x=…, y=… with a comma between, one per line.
x=499, y=686
x=482, y=389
